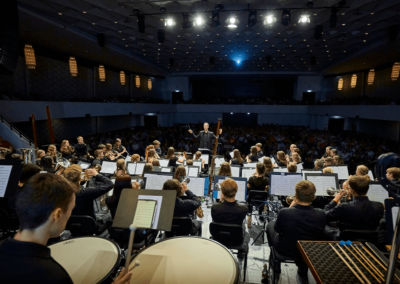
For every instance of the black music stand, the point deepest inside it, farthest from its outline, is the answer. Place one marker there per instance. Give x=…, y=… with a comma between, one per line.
x=127, y=207
x=15, y=174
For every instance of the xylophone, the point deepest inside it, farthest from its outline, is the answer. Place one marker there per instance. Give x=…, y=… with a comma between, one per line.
x=343, y=262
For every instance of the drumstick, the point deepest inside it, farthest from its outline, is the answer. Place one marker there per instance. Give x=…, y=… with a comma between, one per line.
x=133, y=228
x=348, y=265
x=366, y=259
x=364, y=266
x=358, y=269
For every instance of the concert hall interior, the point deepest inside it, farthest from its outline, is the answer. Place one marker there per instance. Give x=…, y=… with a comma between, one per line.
x=256, y=139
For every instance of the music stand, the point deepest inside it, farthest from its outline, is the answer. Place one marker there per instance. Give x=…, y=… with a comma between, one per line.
x=9, y=188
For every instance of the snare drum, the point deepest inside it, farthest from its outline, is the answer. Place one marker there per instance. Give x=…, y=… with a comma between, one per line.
x=87, y=259
x=183, y=260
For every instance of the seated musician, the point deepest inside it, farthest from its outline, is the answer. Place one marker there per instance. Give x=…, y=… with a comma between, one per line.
x=298, y=222
x=148, y=168
x=25, y=258
x=225, y=170
x=281, y=162
x=327, y=171
x=257, y=182
x=120, y=149
x=180, y=172
x=86, y=195
x=362, y=171
x=259, y=150
x=151, y=156
x=296, y=158
x=99, y=155
x=393, y=174
x=109, y=153
x=292, y=150
x=173, y=159
x=121, y=168
x=52, y=152
x=359, y=214
x=269, y=166
x=66, y=150
x=292, y=168
x=81, y=149
x=328, y=162
x=184, y=207
x=318, y=164
x=236, y=160
x=333, y=153
x=39, y=155
x=197, y=157
x=189, y=162
x=252, y=157
x=157, y=144
x=327, y=152
x=156, y=163
x=135, y=158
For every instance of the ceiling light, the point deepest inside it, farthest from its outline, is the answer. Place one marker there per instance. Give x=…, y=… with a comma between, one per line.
x=170, y=22
x=269, y=20
x=285, y=17
x=304, y=19
x=232, y=22
x=371, y=77
x=198, y=21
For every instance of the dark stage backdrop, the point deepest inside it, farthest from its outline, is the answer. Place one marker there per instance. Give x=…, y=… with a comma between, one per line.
x=240, y=119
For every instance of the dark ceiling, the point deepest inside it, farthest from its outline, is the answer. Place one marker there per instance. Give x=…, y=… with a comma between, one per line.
x=360, y=28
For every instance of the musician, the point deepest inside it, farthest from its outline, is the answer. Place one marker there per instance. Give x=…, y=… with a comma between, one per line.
x=296, y=158
x=184, y=207
x=189, y=162
x=252, y=157
x=86, y=196
x=66, y=150
x=292, y=150
x=25, y=258
x=359, y=214
x=282, y=162
x=52, y=152
x=327, y=152
x=298, y=222
x=225, y=170
x=259, y=150
x=5, y=144
x=121, y=168
x=362, y=171
x=180, y=172
x=237, y=160
x=109, y=153
x=197, y=157
x=39, y=155
x=318, y=164
x=173, y=159
x=206, y=137
x=327, y=170
x=337, y=160
x=81, y=149
x=292, y=167
x=156, y=163
x=135, y=158
x=269, y=166
x=119, y=148
x=333, y=153
x=257, y=182
x=148, y=168
x=328, y=162
x=151, y=156
x=393, y=173
x=99, y=155
x=157, y=144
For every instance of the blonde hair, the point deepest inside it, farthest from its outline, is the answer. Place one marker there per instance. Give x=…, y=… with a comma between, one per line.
x=120, y=167
x=225, y=170
x=135, y=158
x=170, y=153
x=197, y=155
x=180, y=172
x=73, y=175
x=327, y=171
x=52, y=150
x=394, y=171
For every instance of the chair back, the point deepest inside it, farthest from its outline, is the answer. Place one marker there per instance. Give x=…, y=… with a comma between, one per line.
x=227, y=234
x=258, y=195
x=81, y=226
x=181, y=226
x=359, y=235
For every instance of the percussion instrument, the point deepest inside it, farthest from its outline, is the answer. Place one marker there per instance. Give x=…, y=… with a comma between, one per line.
x=334, y=262
x=171, y=262
x=87, y=259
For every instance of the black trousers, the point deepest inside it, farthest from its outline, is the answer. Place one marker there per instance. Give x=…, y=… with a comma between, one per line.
x=197, y=230
x=273, y=240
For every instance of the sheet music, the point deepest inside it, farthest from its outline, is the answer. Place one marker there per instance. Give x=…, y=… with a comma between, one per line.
x=249, y=165
x=131, y=168
x=196, y=185
x=156, y=181
x=219, y=161
x=261, y=159
x=205, y=158
x=178, y=163
x=309, y=172
x=241, y=193
x=231, y=153
x=165, y=170
x=342, y=171
x=144, y=214
x=280, y=170
x=139, y=168
x=247, y=173
x=235, y=171
x=284, y=184
x=84, y=166
x=108, y=167
x=193, y=172
x=197, y=164
x=273, y=160
x=377, y=193
x=322, y=183
x=299, y=168
x=371, y=176
x=163, y=162
x=395, y=212
x=128, y=158
x=158, y=209
x=5, y=172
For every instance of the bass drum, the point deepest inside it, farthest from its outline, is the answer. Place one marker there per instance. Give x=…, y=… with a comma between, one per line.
x=183, y=260
x=88, y=259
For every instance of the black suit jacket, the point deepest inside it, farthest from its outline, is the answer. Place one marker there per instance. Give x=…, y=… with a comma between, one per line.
x=206, y=139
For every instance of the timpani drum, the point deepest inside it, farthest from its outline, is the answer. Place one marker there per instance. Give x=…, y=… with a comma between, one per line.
x=87, y=259
x=183, y=260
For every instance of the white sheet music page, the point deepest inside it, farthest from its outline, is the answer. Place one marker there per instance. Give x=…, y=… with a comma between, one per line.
x=108, y=167
x=261, y=159
x=197, y=164
x=292, y=181
x=128, y=158
x=193, y=172
x=241, y=193
x=342, y=171
x=281, y=170
x=231, y=153
x=139, y=168
x=299, y=168
x=371, y=176
x=395, y=212
x=279, y=184
x=205, y=158
x=322, y=183
x=235, y=171
x=155, y=181
x=165, y=170
x=196, y=185
x=158, y=209
x=163, y=163
x=247, y=173
x=5, y=172
x=131, y=168
x=273, y=160
x=84, y=166
x=219, y=161
x=377, y=192
x=310, y=172
x=250, y=165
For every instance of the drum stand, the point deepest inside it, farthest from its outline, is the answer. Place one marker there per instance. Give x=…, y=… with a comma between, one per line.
x=273, y=206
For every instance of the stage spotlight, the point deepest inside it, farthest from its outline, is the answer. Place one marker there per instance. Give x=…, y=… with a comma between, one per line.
x=161, y=36
x=333, y=18
x=318, y=31
x=198, y=21
x=215, y=19
x=252, y=20
x=286, y=17
x=141, y=24
x=232, y=22
x=269, y=20
x=186, y=23
x=169, y=22
x=304, y=18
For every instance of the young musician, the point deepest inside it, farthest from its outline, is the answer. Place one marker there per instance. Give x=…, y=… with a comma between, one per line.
x=197, y=157
x=135, y=158
x=66, y=150
x=237, y=160
x=179, y=172
x=282, y=162
x=318, y=164
x=252, y=157
x=298, y=222
x=39, y=155
x=259, y=150
x=173, y=159
x=52, y=152
x=327, y=171
x=121, y=168
x=148, y=168
x=362, y=171
x=184, y=207
x=119, y=148
x=393, y=174
x=189, y=162
x=206, y=137
x=109, y=153
x=225, y=170
x=25, y=258
x=257, y=182
x=328, y=162
x=121, y=182
x=292, y=168
x=327, y=152
x=99, y=155
x=81, y=149
x=156, y=144
x=359, y=214
x=269, y=167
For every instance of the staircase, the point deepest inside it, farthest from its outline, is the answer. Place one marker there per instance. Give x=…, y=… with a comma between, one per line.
x=13, y=135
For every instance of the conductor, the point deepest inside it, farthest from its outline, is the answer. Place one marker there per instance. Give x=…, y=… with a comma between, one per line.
x=206, y=137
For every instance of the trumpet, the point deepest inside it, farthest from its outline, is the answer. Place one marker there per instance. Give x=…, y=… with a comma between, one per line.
x=333, y=191
x=86, y=177
x=61, y=165
x=217, y=187
x=289, y=199
x=185, y=180
x=140, y=182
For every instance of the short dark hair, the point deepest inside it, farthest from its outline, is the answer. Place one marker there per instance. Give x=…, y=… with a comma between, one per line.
x=305, y=191
x=28, y=171
x=40, y=196
x=253, y=150
x=229, y=188
x=359, y=184
x=173, y=184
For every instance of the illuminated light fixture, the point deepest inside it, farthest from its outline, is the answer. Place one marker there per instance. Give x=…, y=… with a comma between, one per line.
x=122, y=78
x=149, y=84
x=198, y=21
x=304, y=19
x=30, y=59
x=371, y=76
x=102, y=73
x=395, y=71
x=340, y=84
x=269, y=20
x=353, y=81
x=73, y=67
x=169, y=22
x=137, y=81
x=232, y=22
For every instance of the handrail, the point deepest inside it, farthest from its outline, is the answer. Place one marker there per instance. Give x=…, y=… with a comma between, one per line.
x=17, y=131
